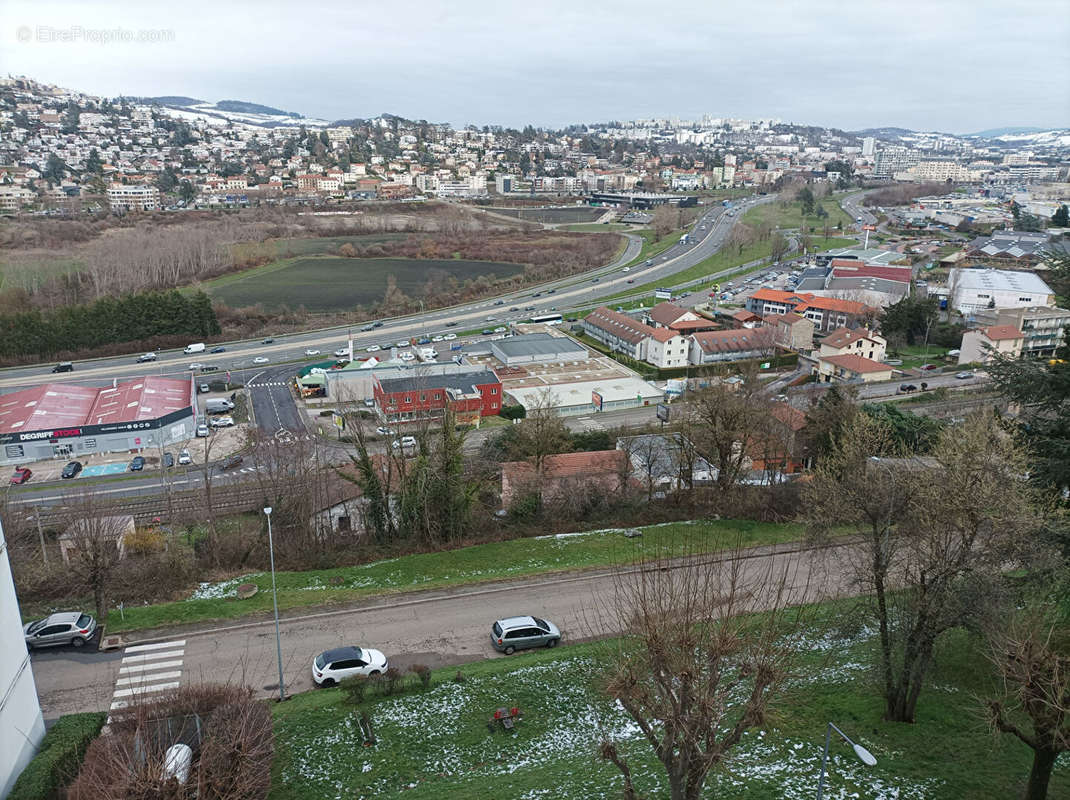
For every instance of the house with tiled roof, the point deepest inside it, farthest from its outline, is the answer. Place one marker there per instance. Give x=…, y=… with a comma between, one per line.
x=682, y=320
x=781, y=446
x=565, y=475
x=793, y=331
x=662, y=347
x=710, y=347
x=827, y=313
x=850, y=368
x=859, y=341
x=980, y=345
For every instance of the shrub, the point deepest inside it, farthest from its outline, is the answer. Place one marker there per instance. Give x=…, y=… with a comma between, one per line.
x=459, y=677
x=392, y=682
x=144, y=541
x=423, y=673
x=513, y=412
x=60, y=757
x=354, y=689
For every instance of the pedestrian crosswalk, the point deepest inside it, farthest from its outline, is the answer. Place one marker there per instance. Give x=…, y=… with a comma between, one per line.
x=146, y=669
x=267, y=383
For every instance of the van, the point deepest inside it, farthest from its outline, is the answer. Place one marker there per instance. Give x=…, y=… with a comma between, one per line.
x=194, y=348
x=217, y=405
x=63, y=366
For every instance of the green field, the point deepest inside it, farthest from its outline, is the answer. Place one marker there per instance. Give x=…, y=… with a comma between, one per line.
x=516, y=558
x=309, y=246
x=434, y=743
x=791, y=216
x=331, y=283
x=27, y=273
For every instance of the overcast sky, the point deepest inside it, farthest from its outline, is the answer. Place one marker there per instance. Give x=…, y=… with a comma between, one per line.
x=922, y=64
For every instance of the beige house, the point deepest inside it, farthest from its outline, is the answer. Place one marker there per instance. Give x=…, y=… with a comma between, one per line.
x=86, y=535
x=793, y=331
x=857, y=341
x=979, y=345
x=850, y=368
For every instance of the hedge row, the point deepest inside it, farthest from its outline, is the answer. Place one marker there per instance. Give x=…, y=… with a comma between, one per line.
x=60, y=757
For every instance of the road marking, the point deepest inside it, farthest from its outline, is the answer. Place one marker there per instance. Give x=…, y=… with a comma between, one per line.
x=155, y=676
x=140, y=648
x=135, y=690
x=152, y=666
x=140, y=659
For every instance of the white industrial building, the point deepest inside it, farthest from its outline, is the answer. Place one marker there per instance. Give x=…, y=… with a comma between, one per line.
x=974, y=290
x=21, y=724
x=586, y=397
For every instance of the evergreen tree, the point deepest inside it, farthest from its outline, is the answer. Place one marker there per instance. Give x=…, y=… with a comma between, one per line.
x=1061, y=217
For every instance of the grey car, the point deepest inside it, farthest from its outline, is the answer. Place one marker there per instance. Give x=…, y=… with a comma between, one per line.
x=65, y=627
x=517, y=633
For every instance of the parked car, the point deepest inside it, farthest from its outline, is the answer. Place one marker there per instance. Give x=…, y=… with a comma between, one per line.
x=449, y=337
x=332, y=666
x=146, y=357
x=168, y=460
x=500, y=329
x=232, y=461
x=64, y=627
x=184, y=457
x=780, y=398
x=260, y=360
x=342, y=352
x=219, y=349
x=204, y=388
x=404, y=443
x=517, y=633
x=927, y=367
x=402, y=343
x=202, y=431
x=312, y=351
x=22, y=474
x=222, y=422
x=71, y=469
x=137, y=463
x=382, y=430
x=370, y=349
x=487, y=331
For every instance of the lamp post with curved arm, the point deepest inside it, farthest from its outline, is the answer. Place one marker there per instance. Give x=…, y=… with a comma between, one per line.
x=863, y=754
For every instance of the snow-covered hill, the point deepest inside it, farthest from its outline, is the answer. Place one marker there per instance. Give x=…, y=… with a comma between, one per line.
x=235, y=111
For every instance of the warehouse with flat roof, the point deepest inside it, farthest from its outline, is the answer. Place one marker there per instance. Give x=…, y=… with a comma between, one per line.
x=538, y=348
x=61, y=420
x=585, y=397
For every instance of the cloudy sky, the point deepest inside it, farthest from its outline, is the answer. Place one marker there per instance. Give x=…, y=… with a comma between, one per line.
x=922, y=64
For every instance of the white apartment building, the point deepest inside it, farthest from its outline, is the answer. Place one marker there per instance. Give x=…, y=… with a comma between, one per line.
x=869, y=144
x=892, y=160
x=12, y=198
x=21, y=724
x=122, y=197
x=939, y=171
x=974, y=290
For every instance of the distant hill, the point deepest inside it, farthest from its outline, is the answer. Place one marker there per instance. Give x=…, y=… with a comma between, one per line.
x=242, y=107
x=883, y=133
x=170, y=100
x=997, y=133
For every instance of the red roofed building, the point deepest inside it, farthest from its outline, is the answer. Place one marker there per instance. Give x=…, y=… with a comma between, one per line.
x=566, y=475
x=850, y=369
x=731, y=345
x=682, y=320
x=827, y=313
x=792, y=331
x=782, y=447
x=60, y=420
x=979, y=346
x=662, y=347
x=859, y=341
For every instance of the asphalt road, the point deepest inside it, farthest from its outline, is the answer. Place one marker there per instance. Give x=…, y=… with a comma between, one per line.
x=573, y=292
x=273, y=405
x=436, y=628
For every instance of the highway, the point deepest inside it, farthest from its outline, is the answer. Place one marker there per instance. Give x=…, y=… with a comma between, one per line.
x=567, y=293
x=434, y=628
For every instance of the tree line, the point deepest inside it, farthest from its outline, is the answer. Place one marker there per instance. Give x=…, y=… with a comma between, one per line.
x=134, y=317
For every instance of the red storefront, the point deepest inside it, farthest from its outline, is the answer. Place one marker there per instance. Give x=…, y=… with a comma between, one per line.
x=400, y=399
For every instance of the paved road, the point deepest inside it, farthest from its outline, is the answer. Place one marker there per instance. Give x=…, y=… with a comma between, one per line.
x=430, y=627
x=570, y=292
x=272, y=400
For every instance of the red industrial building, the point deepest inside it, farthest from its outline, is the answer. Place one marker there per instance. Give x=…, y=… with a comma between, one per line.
x=478, y=392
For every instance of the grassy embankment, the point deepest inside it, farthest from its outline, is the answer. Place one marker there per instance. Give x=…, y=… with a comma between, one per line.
x=435, y=743
x=517, y=558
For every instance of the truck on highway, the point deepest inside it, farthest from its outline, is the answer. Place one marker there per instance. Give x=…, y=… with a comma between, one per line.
x=194, y=348
x=685, y=239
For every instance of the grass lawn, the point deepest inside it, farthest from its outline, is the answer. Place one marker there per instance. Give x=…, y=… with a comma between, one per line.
x=434, y=743
x=323, y=283
x=914, y=356
x=516, y=558
x=791, y=216
x=28, y=273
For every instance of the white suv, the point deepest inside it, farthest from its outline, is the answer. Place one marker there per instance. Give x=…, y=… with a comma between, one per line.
x=344, y=662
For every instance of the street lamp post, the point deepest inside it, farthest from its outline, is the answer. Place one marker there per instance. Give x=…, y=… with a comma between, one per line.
x=275, y=602
x=863, y=754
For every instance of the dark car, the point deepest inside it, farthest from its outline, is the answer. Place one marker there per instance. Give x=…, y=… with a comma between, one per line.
x=595, y=280
x=499, y=302
x=269, y=340
x=537, y=294
x=209, y=368
x=22, y=474
x=450, y=324
x=514, y=308
x=137, y=463
x=219, y=349
x=232, y=461
x=367, y=328
x=907, y=387
x=65, y=366
x=529, y=308
x=487, y=331
x=168, y=460
x=71, y=470
x=550, y=291
x=424, y=340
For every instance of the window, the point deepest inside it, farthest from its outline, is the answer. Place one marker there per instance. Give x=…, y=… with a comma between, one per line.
x=84, y=620
x=493, y=389
x=423, y=397
x=52, y=630
x=408, y=398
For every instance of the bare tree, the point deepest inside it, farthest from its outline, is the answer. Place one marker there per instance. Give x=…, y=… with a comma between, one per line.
x=542, y=432
x=1031, y=654
x=725, y=417
x=931, y=529
x=696, y=668
x=645, y=454
x=93, y=537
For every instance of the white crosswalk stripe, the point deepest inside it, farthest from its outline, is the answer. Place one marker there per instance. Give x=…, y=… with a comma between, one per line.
x=146, y=669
